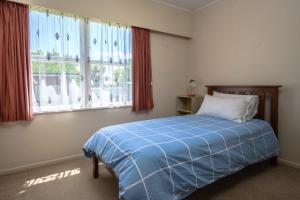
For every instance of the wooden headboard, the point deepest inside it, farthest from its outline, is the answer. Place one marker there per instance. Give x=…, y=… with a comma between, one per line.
x=265, y=92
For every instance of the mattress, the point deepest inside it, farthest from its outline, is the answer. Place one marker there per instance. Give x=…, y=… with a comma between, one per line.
x=169, y=158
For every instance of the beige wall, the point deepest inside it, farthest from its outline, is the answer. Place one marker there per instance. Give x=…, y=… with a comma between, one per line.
x=53, y=136
x=141, y=13
x=253, y=42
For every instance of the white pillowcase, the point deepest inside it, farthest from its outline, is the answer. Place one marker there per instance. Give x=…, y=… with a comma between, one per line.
x=251, y=99
x=228, y=108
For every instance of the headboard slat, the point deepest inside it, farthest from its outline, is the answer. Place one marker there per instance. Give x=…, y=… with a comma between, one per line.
x=261, y=106
x=263, y=91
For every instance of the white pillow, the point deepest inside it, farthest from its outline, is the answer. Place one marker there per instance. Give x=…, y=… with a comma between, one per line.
x=227, y=108
x=251, y=99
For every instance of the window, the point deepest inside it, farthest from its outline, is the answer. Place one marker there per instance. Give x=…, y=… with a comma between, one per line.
x=55, y=60
x=110, y=64
x=78, y=63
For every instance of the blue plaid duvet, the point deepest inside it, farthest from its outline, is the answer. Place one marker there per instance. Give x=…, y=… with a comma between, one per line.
x=171, y=157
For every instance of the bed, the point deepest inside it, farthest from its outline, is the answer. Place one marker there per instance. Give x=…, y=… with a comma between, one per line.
x=169, y=158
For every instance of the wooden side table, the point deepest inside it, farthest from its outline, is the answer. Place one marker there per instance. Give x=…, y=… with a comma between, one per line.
x=188, y=104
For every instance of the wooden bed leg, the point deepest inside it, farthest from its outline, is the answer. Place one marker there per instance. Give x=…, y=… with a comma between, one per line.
x=274, y=161
x=96, y=166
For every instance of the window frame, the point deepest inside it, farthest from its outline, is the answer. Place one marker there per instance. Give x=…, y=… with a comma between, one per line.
x=85, y=73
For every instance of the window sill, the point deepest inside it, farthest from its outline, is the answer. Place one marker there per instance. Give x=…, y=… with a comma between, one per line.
x=81, y=109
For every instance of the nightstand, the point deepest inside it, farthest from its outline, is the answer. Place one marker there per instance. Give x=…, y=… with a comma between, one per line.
x=188, y=104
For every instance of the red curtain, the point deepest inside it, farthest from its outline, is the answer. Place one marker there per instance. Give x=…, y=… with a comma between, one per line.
x=15, y=72
x=142, y=98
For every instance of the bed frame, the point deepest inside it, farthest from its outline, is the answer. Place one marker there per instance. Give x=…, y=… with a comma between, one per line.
x=267, y=109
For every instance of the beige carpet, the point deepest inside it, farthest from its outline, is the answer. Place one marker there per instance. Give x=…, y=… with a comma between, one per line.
x=73, y=180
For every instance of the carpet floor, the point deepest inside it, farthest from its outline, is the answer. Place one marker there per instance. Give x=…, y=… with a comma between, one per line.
x=73, y=180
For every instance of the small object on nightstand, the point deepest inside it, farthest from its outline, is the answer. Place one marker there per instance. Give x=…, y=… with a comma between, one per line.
x=192, y=85
x=188, y=104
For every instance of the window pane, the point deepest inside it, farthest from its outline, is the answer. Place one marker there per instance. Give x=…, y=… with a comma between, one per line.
x=110, y=85
x=56, y=86
x=54, y=36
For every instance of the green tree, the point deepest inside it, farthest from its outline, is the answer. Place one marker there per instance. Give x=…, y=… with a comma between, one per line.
x=53, y=67
x=97, y=72
x=119, y=76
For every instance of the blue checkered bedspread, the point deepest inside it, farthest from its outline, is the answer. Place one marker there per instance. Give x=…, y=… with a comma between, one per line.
x=171, y=157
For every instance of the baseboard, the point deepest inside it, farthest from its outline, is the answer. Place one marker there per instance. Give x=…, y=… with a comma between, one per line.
x=77, y=156
x=289, y=163
x=39, y=164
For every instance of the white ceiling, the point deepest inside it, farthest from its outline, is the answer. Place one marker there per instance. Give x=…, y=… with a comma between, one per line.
x=189, y=5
